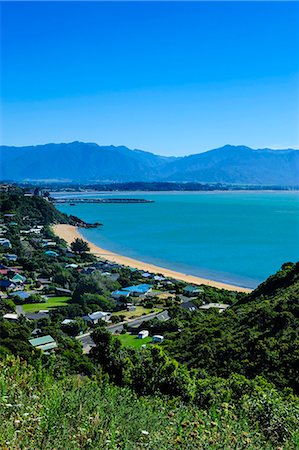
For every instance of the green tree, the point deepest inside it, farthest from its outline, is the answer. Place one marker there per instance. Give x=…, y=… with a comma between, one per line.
x=79, y=246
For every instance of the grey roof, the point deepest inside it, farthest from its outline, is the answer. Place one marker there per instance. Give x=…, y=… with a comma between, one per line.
x=163, y=316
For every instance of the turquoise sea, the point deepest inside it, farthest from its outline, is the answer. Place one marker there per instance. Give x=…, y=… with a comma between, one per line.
x=235, y=237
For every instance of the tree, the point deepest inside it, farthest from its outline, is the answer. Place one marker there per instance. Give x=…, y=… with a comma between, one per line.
x=79, y=246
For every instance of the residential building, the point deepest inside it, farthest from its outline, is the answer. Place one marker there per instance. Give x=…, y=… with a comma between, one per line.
x=44, y=343
x=95, y=317
x=192, y=291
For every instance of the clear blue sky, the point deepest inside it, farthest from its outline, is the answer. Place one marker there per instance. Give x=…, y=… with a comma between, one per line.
x=171, y=78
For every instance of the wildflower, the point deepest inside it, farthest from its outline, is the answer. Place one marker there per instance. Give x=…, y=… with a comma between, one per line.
x=144, y=432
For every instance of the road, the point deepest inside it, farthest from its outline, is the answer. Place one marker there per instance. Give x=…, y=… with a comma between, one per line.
x=88, y=343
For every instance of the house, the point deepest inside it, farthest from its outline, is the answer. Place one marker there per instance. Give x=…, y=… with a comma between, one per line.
x=11, y=316
x=157, y=338
x=120, y=294
x=18, y=279
x=44, y=343
x=6, y=284
x=94, y=318
x=71, y=266
x=143, y=334
x=37, y=316
x=51, y=253
x=4, y=271
x=11, y=257
x=163, y=316
x=140, y=289
x=159, y=278
x=192, y=291
x=67, y=321
x=190, y=306
x=220, y=306
x=24, y=295
x=147, y=275
x=5, y=243
x=62, y=292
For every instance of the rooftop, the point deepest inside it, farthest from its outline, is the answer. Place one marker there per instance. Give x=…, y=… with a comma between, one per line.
x=41, y=340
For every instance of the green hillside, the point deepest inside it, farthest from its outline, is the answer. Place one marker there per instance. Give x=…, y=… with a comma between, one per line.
x=259, y=335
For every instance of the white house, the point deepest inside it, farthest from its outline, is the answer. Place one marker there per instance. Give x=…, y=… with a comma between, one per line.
x=143, y=334
x=220, y=306
x=11, y=316
x=94, y=318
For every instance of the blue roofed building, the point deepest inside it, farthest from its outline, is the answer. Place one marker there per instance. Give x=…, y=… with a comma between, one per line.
x=138, y=290
x=51, y=253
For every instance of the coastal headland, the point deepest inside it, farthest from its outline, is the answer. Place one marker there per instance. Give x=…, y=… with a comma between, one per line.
x=69, y=233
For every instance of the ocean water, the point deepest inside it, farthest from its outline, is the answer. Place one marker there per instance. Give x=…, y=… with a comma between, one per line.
x=235, y=237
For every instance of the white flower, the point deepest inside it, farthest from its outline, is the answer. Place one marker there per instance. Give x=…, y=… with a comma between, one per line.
x=144, y=432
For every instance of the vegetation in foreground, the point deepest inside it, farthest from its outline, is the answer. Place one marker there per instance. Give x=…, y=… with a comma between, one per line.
x=40, y=412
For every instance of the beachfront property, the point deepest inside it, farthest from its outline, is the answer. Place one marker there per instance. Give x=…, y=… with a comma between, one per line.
x=192, y=291
x=44, y=343
x=143, y=334
x=95, y=317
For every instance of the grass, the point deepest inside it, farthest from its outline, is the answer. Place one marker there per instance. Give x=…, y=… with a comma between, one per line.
x=52, y=302
x=76, y=413
x=140, y=310
x=131, y=340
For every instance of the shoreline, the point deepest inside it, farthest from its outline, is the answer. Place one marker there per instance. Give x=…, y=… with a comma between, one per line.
x=69, y=233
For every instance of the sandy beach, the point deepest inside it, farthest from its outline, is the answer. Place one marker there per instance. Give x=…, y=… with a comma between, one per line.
x=69, y=233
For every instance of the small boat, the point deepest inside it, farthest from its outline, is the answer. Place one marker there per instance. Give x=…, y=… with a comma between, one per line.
x=72, y=204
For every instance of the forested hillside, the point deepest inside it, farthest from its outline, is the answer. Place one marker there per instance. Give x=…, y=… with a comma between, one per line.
x=259, y=335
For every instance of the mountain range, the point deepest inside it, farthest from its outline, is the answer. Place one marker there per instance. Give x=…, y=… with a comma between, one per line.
x=89, y=162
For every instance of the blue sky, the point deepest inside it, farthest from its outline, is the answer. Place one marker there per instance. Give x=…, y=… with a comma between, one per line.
x=171, y=78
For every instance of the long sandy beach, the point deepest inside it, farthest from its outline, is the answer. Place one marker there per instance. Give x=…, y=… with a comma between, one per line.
x=69, y=233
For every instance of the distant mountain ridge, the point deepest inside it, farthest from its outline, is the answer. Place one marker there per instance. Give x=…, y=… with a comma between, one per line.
x=89, y=162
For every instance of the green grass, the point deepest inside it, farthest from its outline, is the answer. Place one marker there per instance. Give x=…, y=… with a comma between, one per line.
x=76, y=413
x=131, y=340
x=140, y=310
x=52, y=302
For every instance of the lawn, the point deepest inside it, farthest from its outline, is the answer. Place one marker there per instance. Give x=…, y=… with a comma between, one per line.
x=140, y=310
x=52, y=302
x=131, y=340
